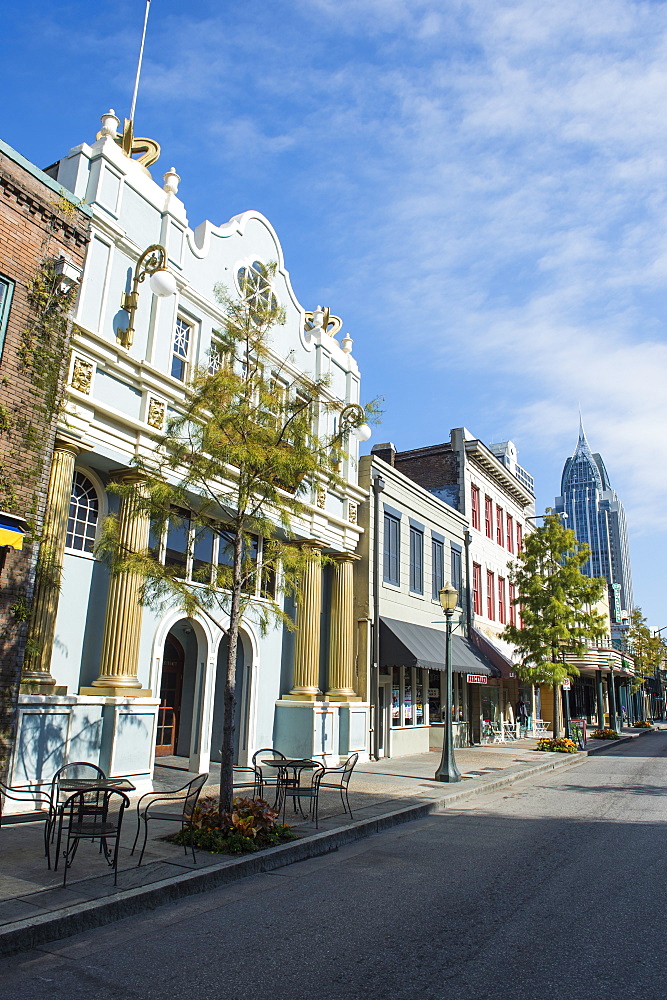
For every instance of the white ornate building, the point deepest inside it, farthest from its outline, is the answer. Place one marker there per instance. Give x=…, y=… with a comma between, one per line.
x=111, y=682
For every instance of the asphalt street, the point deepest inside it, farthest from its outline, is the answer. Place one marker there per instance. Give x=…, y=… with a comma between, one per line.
x=554, y=888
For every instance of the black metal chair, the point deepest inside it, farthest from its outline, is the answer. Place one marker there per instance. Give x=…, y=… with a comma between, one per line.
x=248, y=777
x=300, y=789
x=85, y=824
x=77, y=769
x=269, y=776
x=339, y=777
x=185, y=798
x=40, y=798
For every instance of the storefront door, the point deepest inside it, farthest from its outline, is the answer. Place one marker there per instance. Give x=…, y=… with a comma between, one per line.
x=171, y=690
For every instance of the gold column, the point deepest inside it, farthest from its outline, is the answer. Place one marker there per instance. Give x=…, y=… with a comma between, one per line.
x=36, y=676
x=341, y=636
x=307, y=641
x=122, y=622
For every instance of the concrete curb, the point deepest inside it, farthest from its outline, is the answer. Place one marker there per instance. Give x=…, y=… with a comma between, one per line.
x=20, y=935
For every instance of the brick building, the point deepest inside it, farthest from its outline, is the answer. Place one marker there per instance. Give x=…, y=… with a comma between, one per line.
x=44, y=238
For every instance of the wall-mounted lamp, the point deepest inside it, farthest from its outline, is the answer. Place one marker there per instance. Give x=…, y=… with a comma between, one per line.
x=153, y=262
x=352, y=418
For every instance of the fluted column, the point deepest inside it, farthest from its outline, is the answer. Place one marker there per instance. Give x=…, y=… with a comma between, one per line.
x=307, y=642
x=122, y=622
x=341, y=633
x=36, y=676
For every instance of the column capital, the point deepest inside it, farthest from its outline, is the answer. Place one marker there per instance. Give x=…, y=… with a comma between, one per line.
x=344, y=557
x=70, y=443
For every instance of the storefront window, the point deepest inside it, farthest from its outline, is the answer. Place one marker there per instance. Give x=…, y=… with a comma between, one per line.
x=419, y=700
x=490, y=707
x=407, y=696
x=396, y=696
x=434, y=711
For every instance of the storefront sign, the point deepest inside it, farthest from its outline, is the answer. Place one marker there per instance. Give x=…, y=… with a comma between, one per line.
x=477, y=678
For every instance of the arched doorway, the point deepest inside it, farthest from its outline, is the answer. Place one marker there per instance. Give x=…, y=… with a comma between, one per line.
x=171, y=693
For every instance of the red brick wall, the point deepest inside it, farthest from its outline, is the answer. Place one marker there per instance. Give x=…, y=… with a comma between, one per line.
x=432, y=467
x=36, y=224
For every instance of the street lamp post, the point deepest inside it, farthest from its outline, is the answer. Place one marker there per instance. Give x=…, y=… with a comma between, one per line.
x=448, y=771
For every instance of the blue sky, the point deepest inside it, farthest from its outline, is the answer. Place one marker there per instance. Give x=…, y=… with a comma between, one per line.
x=477, y=188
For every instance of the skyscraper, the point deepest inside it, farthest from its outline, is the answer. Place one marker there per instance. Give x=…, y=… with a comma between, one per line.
x=597, y=517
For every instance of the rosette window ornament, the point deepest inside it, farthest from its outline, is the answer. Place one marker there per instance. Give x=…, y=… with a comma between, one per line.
x=153, y=262
x=353, y=419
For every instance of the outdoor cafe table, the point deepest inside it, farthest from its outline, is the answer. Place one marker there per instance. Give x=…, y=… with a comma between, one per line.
x=285, y=780
x=98, y=784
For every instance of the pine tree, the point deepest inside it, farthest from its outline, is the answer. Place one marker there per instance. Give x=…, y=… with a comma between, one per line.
x=556, y=604
x=236, y=463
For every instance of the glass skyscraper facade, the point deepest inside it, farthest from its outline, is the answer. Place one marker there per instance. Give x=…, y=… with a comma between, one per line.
x=597, y=517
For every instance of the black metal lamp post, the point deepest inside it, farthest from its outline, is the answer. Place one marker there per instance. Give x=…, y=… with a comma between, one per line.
x=448, y=771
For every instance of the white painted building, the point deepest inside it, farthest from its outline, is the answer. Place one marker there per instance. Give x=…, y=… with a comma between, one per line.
x=117, y=398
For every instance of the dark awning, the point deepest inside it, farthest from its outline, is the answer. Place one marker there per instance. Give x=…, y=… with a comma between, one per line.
x=404, y=644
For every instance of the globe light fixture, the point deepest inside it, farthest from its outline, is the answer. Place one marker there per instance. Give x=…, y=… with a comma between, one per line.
x=153, y=262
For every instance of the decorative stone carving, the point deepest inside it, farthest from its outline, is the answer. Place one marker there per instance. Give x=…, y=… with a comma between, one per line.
x=352, y=512
x=321, y=498
x=82, y=375
x=156, y=413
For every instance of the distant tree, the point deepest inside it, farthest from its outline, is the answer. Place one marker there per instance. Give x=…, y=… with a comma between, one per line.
x=556, y=603
x=237, y=463
x=649, y=651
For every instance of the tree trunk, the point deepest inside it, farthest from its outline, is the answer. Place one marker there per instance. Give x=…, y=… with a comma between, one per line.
x=556, y=725
x=227, y=753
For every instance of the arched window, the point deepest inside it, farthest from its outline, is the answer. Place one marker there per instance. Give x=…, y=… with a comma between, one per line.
x=84, y=512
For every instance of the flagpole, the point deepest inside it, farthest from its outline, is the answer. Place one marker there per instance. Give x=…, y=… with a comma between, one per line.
x=141, y=56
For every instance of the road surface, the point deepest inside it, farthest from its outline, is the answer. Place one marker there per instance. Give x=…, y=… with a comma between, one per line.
x=554, y=888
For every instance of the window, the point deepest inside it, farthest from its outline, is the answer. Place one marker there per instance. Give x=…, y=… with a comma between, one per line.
x=255, y=286
x=456, y=575
x=84, y=512
x=202, y=555
x=502, y=606
x=178, y=536
x=519, y=537
x=416, y=559
x=437, y=566
x=488, y=516
x=392, y=537
x=6, y=293
x=215, y=356
x=408, y=686
x=500, y=525
x=510, y=533
x=477, y=588
x=512, y=604
x=474, y=506
x=490, y=595
x=181, y=351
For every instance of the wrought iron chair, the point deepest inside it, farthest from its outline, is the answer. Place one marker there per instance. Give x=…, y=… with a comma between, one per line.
x=84, y=824
x=77, y=769
x=184, y=798
x=40, y=798
x=248, y=777
x=339, y=777
x=299, y=791
x=269, y=776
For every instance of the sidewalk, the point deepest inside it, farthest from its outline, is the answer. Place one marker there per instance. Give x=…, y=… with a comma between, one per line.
x=34, y=907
